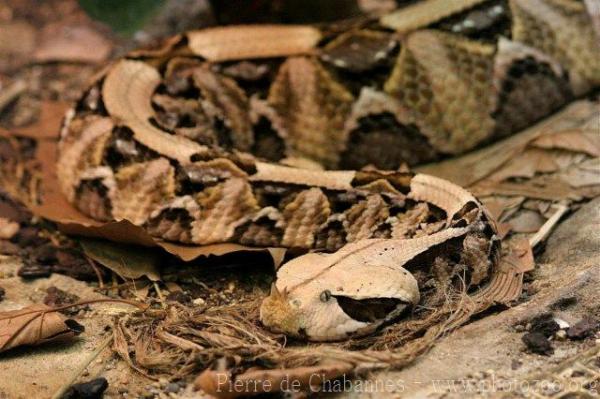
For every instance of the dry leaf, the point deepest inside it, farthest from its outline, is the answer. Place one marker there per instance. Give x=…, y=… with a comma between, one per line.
x=584, y=174
x=478, y=165
x=128, y=261
x=577, y=140
x=526, y=221
x=526, y=164
x=502, y=207
x=35, y=325
x=546, y=188
x=76, y=43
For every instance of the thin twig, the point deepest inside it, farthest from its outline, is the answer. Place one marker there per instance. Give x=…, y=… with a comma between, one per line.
x=11, y=93
x=547, y=227
x=61, y=391
x=138, y=305
x=97, y=271
x=161, y=298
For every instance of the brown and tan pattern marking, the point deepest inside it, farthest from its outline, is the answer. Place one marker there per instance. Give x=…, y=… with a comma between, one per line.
x=191, y=142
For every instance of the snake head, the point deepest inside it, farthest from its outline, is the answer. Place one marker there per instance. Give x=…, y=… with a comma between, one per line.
x=328, y=297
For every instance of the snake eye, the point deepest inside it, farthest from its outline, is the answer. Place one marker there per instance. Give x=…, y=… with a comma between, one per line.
x=325, y=296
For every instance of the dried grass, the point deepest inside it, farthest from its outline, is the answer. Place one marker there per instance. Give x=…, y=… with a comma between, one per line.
x=179, y=340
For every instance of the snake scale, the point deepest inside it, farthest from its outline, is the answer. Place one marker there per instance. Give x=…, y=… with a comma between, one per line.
x=280, y=136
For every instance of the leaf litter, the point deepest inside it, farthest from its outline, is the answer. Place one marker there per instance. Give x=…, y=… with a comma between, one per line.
x=39, y=324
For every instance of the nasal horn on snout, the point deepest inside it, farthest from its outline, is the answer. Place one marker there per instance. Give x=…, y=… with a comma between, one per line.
x=276, y=294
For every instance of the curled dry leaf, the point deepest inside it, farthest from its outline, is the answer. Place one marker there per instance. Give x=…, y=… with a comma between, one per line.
x=35, y=325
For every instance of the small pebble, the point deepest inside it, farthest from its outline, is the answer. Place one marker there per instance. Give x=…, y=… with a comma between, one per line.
x=538, y=343
x=93, y=389
x=583, y=329
x=172, y=387
x=563, y=325
x=515, y=364
x=544, y=324
x=33, y=271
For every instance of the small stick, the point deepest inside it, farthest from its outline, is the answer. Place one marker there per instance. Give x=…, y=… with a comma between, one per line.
x=138, y=305
x=97, y=271
x=11, y=93
x=61, y=391
x=160, y=295
x=547, y=227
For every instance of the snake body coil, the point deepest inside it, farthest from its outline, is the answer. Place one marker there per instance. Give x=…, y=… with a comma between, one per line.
x=222, y=136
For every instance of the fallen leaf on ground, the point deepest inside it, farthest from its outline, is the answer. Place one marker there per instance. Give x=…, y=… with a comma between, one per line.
x=526, y=221
x=549, y=188
x=475, y=166
x=128, y=261
x=577, y=140
x=526, y=164
x=75, y=43
x=35, y=325
x=584, y=174
x=7, y=229
x=501, y=207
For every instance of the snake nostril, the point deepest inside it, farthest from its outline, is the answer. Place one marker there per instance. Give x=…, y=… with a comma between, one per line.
x=302, y=333
x=325, y=296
